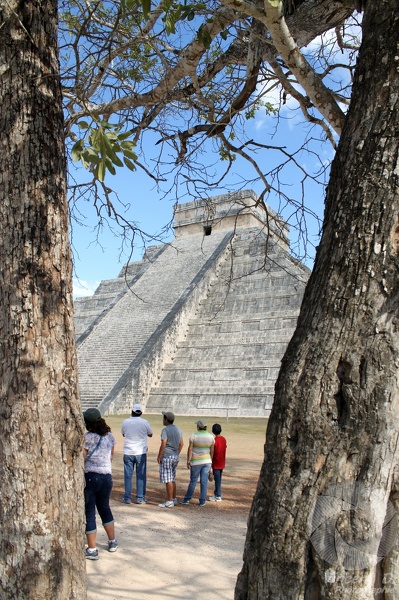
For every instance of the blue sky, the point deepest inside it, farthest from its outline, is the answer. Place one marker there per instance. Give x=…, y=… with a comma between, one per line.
x=152, y=210
x=103, y=259
x=95, y=261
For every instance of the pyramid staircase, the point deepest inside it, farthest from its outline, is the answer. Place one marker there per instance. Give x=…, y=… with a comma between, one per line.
x=229, y=359
x=124, y=333
x=200, y=325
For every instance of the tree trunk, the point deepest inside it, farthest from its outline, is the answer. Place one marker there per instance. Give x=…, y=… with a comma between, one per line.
x=327, y=487
x=41, y=471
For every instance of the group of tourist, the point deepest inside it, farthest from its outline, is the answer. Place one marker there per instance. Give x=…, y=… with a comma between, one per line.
x=206, y=457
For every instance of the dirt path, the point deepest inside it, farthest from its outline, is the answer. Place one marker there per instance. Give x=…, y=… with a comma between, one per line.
x=184, y=551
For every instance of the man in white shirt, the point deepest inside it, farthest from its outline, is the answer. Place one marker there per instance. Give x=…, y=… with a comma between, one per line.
x=135, y=430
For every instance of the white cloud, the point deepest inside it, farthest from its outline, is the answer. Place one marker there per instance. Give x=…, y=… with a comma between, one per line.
x=84, y=288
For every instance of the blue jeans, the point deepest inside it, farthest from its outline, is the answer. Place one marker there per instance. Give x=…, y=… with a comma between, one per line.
x=140, y=460
x=217, y=474
x=97, y=492
x=201, y=471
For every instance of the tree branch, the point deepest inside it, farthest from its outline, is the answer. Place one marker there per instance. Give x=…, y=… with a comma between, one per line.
x=320, y=95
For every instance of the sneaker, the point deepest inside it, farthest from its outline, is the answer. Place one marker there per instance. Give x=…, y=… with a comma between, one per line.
x=202, y=503
x=175, y=501
x=214, y=499
x=167, y=504
x=142, y=501
x=112, y=546
x=126, y=501
x=184, y=501
x=91, y=554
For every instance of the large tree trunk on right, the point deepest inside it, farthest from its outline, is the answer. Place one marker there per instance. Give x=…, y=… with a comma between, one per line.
x=334, y=426
x=41, y=426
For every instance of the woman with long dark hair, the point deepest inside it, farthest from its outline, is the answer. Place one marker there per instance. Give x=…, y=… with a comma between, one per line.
x=98, y=452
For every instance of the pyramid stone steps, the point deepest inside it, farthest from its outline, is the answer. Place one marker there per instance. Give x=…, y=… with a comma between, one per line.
x=235, y=326
x=86, y=309
x=222, y=318
x=226, y=338
x=209, y=388
x=229, y=352
x=239, y=333
x=215, y=404
x=209, y=319
x=113, y=341
x=270, y=365
x=173, y=373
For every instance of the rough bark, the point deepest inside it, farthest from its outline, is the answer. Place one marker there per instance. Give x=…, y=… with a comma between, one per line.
x=41, y=507
x=311, y=18
x=335, y=418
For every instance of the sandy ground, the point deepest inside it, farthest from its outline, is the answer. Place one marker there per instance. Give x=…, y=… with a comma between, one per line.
x=184, y=551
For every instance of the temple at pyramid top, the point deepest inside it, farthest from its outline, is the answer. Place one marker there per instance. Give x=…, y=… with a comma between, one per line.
x=227, y=212
x=200, y=324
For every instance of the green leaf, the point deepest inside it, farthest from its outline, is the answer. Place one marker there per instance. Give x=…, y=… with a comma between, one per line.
x=116, y=160
x=109, y=151
x=124, y=136
x=110, y=166
x=146, y=5
x=83, y=125
x=170, y=24
x=76, y=151
x=129, y=164
x=128, y=145
x=111, y=135
x=130, y=154
x=95, y=140
x=204, y=37
x=100, y=171
x=91, y=155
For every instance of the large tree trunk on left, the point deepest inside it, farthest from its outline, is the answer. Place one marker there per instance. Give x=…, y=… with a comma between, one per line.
x=328, y=486
x=41, y=506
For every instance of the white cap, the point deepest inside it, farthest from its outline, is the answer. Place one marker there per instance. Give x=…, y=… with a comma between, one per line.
x=137, y=408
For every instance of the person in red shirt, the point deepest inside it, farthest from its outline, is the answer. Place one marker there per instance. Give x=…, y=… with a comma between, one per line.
x=218, y=462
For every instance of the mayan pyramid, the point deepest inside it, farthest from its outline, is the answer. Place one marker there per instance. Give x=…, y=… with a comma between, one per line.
x=199, y=325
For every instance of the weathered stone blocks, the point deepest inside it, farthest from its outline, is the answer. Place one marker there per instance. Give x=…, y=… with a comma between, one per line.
x=203, y=323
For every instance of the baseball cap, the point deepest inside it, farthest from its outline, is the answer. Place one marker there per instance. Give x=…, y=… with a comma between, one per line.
x=137, y=408
x=169, y=415
x=91, y=415
x=200, y=423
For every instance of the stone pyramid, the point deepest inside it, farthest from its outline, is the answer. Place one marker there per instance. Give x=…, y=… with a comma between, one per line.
x=199, y=325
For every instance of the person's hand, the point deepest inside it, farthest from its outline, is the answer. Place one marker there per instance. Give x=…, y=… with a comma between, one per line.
x=188, y=464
